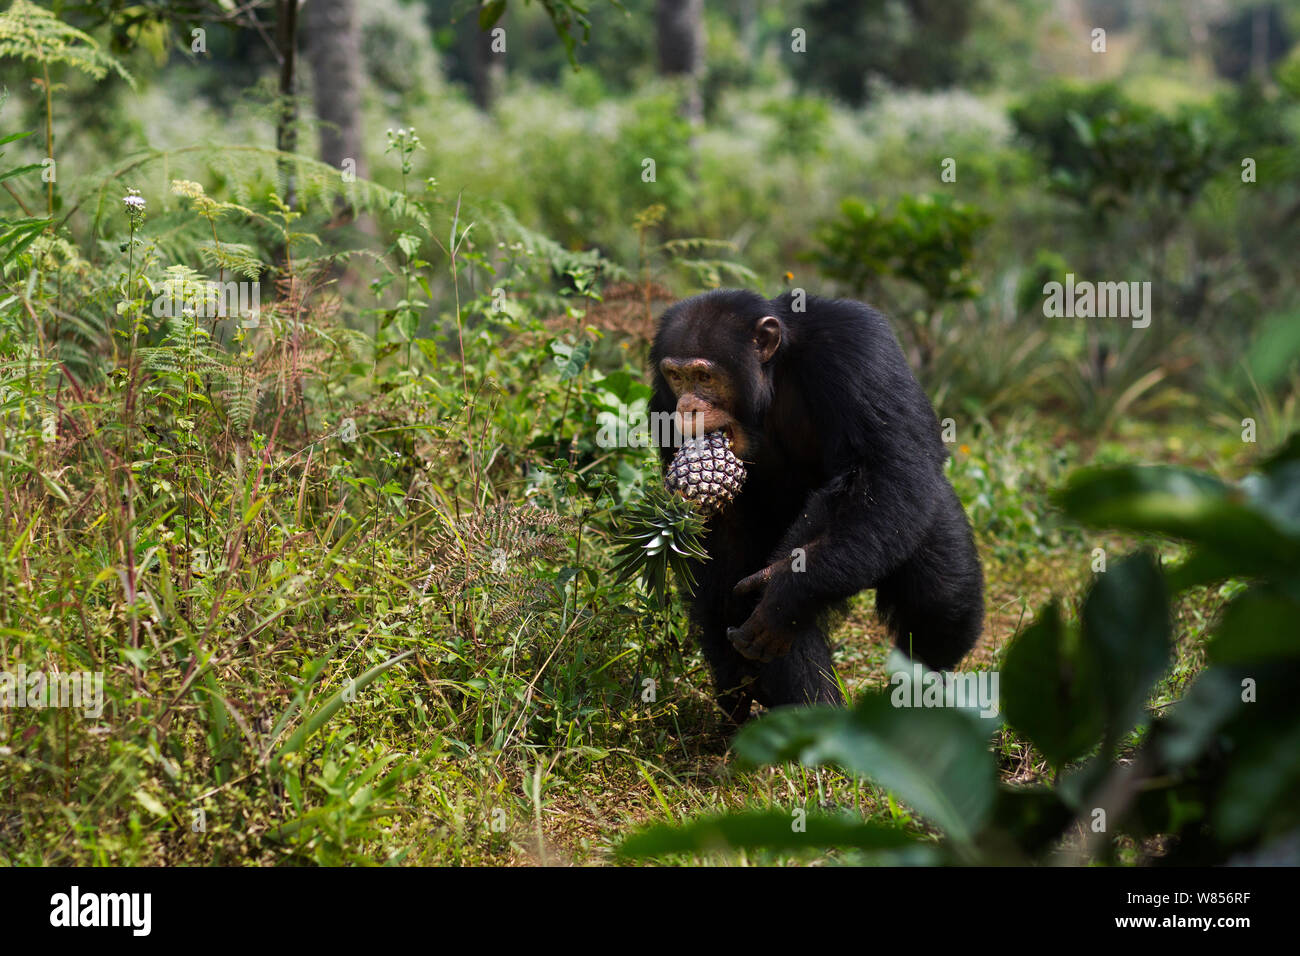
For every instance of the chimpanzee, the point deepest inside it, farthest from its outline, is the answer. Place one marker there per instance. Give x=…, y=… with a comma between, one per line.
x=845, y=490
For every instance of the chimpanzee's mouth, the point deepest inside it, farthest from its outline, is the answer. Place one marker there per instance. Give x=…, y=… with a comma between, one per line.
x=687, y=425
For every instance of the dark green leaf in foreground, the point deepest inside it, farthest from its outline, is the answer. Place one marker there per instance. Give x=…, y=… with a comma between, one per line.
x=934, y=759
x=765, y=829
x=1051, y=690
x=1275, y=492
x=1212, y=701
x=1126, y=625
x=1263, y=778
x=1288, y=452
x=1259, y=625
x=1185, y=504
x=1027, y=819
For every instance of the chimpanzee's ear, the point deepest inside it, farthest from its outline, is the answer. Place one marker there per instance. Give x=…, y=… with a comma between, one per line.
x=767, y=337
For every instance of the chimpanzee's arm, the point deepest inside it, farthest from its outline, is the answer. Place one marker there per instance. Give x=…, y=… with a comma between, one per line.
x=854, y=531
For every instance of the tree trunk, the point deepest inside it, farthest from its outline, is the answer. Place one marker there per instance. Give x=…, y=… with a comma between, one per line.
x=489, y=66
x=286, y=129
x=681, y=48
x=333, y=48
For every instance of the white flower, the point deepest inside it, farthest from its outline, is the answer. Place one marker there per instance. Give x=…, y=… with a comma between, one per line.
x=133, y=203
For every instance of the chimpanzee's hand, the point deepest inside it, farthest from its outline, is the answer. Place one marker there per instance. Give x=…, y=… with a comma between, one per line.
x=760, y=638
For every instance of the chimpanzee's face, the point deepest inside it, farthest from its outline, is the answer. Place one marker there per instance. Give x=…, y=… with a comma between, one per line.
x=705, y=393
x=714, y=364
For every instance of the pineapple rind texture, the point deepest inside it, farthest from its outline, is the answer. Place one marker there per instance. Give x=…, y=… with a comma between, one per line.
x=706, y=471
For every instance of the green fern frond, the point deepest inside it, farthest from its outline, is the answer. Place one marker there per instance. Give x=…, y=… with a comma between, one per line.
x=253, y=170
x=497, y=551
x=161, y=360
x=232, y=257
x=498, y=219
x=710, y=272
x=688, y=245
x=29, y=32
x=240, y=394
x=351, y=344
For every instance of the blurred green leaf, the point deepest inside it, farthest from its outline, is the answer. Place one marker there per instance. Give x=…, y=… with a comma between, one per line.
x=1258, y=625
x=1262, y=784
x=1051, y=689
x=934, y=759
x=490, y=13
x=571, y=359
x=1125, y=623
x=763, y=829
x=1211, y=701
x=1186, y=504
x=1274, y=348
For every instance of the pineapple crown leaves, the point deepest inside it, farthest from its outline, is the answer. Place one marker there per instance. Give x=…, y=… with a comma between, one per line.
x=659, y=532
x=29, y=32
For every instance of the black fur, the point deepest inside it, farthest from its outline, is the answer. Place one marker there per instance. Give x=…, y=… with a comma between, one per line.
x=846, y=461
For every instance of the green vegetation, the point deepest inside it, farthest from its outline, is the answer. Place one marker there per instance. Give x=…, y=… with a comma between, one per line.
x=308, y=466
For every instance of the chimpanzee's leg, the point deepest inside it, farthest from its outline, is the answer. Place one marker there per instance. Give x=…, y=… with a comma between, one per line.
x=733, y=676
x=806, y=675
x=934, y=602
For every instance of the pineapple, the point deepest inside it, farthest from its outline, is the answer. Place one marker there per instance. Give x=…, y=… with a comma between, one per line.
x=706, y=471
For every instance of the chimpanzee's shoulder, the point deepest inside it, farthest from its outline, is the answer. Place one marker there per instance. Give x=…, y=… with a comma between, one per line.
x=820, y=316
